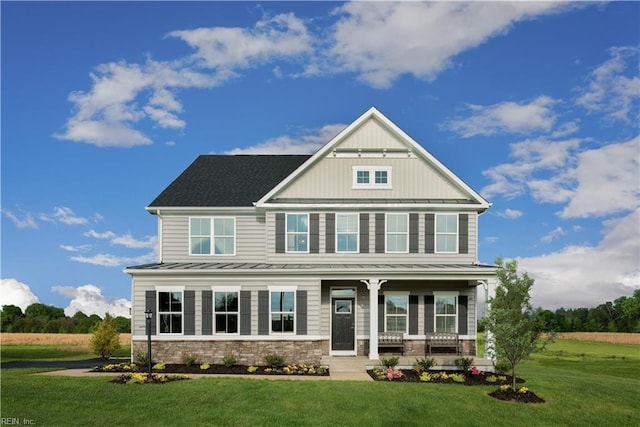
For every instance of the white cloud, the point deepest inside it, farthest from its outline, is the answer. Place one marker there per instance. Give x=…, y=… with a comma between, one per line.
x=585, y=276
x=16, y=293
x=382, y=40
x=507, y=117
x=110, y=260
x=553, y=235
x=63, y=215
x=89, y=300
x=510, y=213
x=612, y=92
x=80, y=248
x=608, y=181
x=306, y=143
x=26, y=222
x=126, y=240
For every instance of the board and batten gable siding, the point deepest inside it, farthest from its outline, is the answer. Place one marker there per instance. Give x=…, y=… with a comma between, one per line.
x=375, y=253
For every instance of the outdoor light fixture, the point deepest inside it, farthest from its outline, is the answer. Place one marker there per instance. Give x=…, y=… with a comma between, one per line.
x=148, y=314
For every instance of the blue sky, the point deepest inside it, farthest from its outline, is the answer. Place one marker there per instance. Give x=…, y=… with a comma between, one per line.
x=535, y=105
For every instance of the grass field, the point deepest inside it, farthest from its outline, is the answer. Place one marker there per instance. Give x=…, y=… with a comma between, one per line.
x=584, y=384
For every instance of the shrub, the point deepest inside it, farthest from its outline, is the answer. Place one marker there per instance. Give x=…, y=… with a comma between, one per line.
x=189, y=359
x=390, y=362
x=501, y=366
x=158, y=366
x=273, y=360
x=141, y=358
x=205, y=366
x=252, y=369
x=106, y=339
x=425, y=363
x=425, y=376
x=229, y=360
x=458, y=378
x=464, y=363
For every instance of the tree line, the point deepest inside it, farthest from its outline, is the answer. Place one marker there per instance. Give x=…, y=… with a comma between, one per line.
x=49, y=319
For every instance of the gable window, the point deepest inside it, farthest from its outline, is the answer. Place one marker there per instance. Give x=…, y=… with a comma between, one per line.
x=226, y=312
x=446, y=312
x=397, y=233
x=212, y=236
x=371, y=177
x=297, y=232
x=396, y=312
x=446, y=233
x=283, y=311
x=347, y=232
x=170, y=312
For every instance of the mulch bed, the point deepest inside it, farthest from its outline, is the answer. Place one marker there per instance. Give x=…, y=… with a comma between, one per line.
x=512, y=395
x=180, y=368
x=411, y=376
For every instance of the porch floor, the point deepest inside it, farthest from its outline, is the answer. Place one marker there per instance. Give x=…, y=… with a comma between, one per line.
x=339, y=364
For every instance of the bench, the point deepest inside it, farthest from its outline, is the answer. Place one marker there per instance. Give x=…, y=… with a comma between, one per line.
x=443, y=340
x=391, y=340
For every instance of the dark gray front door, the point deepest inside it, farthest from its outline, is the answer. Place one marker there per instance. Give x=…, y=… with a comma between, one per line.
x=343, y=323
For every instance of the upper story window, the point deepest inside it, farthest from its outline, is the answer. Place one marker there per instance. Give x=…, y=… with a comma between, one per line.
x=170, y=312
x=347, y=232
x=397, y=232
x=372, y=177
x=298, y=233
x=212, y=236
x=446, y=233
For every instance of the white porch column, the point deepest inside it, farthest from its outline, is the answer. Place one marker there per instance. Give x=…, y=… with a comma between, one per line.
x=489, y=341
x=374, y=286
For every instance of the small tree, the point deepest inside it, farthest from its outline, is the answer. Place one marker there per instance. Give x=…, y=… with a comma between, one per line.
x=512, y=320
x=106, y=339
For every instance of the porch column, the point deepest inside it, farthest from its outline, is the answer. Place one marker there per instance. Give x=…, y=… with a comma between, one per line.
x=374, y=286
x=489, y=341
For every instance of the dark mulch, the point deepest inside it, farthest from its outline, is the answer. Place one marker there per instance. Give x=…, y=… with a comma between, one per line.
x=180, y=368
x=512, y=395
x=412, y=376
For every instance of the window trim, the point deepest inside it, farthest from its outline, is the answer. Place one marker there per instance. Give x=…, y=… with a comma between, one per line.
x=371, y=170
x=287, y=232
x=404, y=294
x=282, y=289
x=212, y=236
x=169, y=289
x=444, y=294
x=357, y=232
x=386, y=233
x=226, y=289
x=436, y=233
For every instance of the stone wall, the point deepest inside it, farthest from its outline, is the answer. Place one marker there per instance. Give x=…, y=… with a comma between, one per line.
x=245, y=352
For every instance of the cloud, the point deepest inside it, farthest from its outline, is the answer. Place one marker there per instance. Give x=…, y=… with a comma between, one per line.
x=507, y=117
x=71, y=248
x=16, y=293
x=307, y=143
x=381, y=41
x=510, y=214
x=553, y=234
x=612, y=92
x=26, y=222
x=89, y=300
x=126, y=240
x=63, y=215
x=578, y=276
x=110, y=260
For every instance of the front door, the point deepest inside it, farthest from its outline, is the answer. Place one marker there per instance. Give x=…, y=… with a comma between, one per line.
x=343, y=323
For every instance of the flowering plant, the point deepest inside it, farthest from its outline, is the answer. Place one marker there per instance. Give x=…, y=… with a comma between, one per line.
x=475, y=371
x=523, y=390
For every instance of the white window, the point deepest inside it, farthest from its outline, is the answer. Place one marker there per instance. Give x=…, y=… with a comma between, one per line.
x=397, y=233
x=283, y=311
x=225, y=309
x=212, y=236
x=170, y=312
x=446, y=312
x=297, y=232
x=447, y=233
x=371, y=177
x=347, y=232
x=396, y=312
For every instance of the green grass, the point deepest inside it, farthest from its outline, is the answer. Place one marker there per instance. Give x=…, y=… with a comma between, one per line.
x=9, y=353
x=594, y=389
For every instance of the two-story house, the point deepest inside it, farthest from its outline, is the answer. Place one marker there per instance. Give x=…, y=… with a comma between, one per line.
x=311, y=256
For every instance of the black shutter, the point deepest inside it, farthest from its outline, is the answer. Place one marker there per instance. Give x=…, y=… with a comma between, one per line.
x=364, y=233
x=263, y=313
x=150, y=304
x=380, y=313
x=429, y=233
x=314, y=233
x=245, y=312
x=463, y=233
x=429, y=314
x=189, y=312
x=413, y=233
x=462, y=314
x=280, y=233
x=330, y=233
x=413, y=314
x=207, y=312
x=380, y=233
x=301, y=312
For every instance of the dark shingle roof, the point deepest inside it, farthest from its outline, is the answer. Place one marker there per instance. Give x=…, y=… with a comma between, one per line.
x=221, y=180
